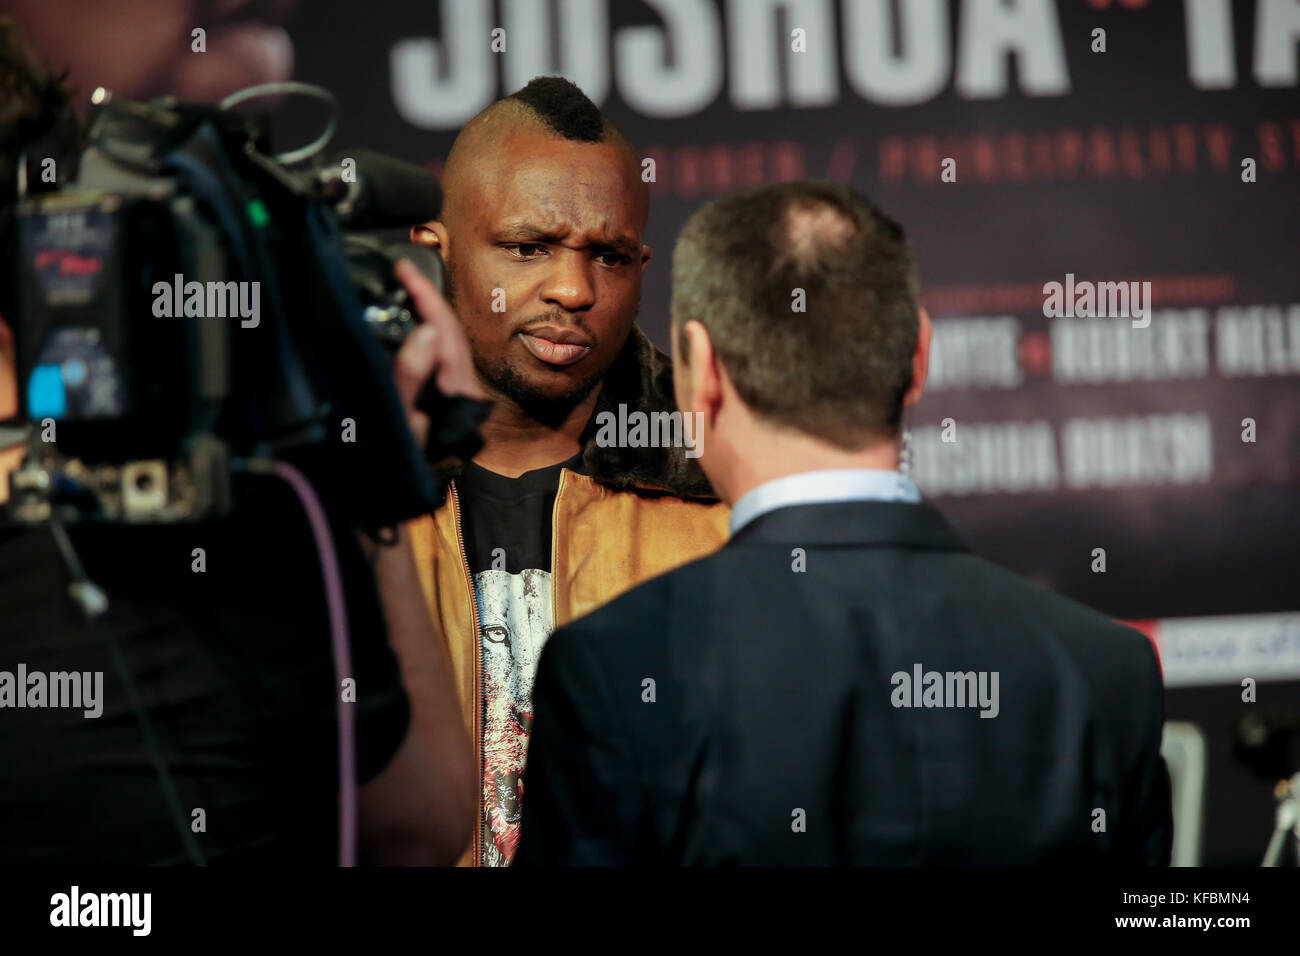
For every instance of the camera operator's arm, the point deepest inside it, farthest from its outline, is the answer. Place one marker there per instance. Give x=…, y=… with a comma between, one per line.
x=10, y=458
x=421, y=808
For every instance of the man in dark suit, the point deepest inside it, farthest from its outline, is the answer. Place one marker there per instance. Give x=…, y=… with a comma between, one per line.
x=843, y=683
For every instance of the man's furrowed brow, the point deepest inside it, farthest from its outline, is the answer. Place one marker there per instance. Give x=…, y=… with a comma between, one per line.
x=525, y=231
x=521, y=230
x=623, y=244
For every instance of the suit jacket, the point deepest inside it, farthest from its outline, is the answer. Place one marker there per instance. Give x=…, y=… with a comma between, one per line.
x=845, y=684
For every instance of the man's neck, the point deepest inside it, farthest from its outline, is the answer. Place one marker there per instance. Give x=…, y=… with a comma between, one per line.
x=515, y=442
x=784, y=453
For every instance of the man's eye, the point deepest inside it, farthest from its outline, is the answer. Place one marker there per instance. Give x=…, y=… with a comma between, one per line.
x=613, y=258
x=525, y=250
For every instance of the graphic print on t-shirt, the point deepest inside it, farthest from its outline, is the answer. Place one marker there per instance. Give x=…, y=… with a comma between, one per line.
x=515, y=619
x=506, y=523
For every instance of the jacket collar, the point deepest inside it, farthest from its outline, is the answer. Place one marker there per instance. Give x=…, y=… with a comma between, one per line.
x=642, y=379
x=854, y=523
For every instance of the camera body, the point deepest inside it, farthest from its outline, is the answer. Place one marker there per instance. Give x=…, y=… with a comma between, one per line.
x=189, y=303
x=115, y=397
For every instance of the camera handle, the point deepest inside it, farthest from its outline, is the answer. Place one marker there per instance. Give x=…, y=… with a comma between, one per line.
x=455, y=420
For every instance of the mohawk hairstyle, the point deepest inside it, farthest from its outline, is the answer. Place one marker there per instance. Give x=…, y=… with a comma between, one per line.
x=562, y=106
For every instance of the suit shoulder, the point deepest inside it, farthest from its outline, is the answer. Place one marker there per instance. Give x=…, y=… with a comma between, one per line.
x=1076, y=625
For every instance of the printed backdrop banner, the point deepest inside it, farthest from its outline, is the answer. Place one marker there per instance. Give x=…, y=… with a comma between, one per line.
x=1104, y=199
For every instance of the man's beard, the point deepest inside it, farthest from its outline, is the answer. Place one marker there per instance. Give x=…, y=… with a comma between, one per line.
x=549, y=410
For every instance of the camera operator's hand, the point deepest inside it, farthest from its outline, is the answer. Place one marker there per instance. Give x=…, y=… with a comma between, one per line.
x=437, y=349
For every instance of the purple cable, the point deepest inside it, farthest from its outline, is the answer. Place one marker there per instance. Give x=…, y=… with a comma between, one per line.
x=329, y=563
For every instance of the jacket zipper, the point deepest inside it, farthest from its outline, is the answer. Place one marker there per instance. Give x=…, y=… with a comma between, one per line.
x=555, y=552
x=478, y=673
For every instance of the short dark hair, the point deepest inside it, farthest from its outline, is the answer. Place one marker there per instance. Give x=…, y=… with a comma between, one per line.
x=563, y=107
x=36, y=119
x=839, y=368
x=34, y=105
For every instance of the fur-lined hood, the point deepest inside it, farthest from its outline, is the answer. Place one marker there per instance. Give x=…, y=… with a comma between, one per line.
x=642, y=379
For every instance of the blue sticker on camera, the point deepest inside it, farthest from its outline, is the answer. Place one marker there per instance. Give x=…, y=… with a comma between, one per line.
x=46, y=396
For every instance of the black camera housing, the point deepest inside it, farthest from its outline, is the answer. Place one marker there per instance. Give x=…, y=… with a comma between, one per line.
x=141, y=402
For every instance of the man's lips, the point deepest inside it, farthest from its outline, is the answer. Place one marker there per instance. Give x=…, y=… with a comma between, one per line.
x=556, y=346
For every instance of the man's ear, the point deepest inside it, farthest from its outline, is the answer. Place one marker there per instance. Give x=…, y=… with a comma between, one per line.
x=701, y=390
x=920, y=359
x=432, y=233
x=645, y=257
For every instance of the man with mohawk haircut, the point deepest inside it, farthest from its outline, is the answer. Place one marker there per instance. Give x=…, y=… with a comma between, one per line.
x=542, y=235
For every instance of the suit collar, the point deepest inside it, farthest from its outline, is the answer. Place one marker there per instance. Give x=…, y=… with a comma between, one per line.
x=826, y=486
x=861, y=523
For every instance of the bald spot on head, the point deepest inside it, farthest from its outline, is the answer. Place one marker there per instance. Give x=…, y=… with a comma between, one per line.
x=480, y=147
x=811, y=232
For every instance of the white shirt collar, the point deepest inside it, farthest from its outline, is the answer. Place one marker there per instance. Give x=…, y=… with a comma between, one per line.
x=823, y=487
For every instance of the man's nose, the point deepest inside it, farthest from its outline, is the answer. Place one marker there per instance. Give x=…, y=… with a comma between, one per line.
x=568, y=284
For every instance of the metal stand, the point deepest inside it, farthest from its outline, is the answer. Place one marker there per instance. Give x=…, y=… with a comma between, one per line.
x=1288, y=822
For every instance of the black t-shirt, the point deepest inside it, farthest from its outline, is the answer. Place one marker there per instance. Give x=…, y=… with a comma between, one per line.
x=507, y=529
x=510, y=514
x=235, y=668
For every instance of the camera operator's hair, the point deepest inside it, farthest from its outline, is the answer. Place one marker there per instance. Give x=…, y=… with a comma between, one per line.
x=838, y=367
x=34, y=114
x=34, y=107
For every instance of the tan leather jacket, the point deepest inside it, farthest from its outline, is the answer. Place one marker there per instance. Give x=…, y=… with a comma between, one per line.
x=637, y=513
